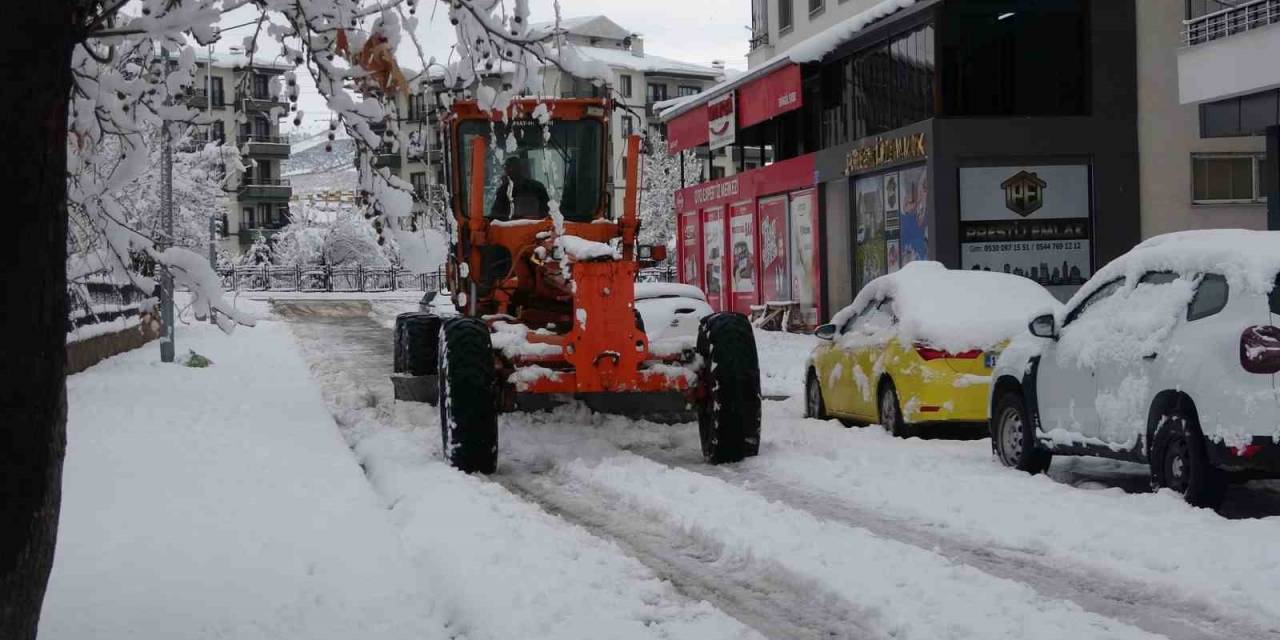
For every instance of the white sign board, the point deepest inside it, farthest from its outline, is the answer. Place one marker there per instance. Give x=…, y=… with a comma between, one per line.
x=1022, y=193
x=722, y=121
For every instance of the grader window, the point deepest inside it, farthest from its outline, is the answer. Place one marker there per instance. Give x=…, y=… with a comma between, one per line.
x=564, y=159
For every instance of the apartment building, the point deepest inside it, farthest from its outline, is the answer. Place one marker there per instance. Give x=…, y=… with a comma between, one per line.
x=238, y=93
x=1209, y=95
x=984, y=134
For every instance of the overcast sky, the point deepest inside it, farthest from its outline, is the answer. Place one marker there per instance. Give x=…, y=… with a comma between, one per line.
x=694, y=31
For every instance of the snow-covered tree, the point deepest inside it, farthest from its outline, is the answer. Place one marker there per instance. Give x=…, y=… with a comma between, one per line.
x=259, y=253
x=659, y=182
x=97, y=75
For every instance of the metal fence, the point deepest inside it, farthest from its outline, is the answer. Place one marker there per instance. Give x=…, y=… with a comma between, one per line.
x=99, y=301
x=328, y=279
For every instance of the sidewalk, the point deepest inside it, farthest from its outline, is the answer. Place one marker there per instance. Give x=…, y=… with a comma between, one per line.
x=221, y=503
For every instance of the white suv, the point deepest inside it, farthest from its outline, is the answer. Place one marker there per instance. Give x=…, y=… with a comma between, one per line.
x=1168, y=356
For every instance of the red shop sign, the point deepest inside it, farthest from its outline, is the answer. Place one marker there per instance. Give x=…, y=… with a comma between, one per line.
x=770, y=96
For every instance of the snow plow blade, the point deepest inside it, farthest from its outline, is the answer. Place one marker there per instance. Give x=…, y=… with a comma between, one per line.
x=416, y=388
x=666, y=407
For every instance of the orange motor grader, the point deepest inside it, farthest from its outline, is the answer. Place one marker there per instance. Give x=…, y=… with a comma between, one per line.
x=543, y=279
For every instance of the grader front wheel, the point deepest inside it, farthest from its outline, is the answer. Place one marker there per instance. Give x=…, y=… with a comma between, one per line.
x=729, y=414
x=468, y=413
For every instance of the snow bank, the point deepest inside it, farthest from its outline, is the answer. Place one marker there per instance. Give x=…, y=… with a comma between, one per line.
x=221, y=503
x=958, y=491
x=783, y=359
x=955, y=310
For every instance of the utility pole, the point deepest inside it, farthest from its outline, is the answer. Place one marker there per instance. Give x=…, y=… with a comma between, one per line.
x=166, y=213
x=213, y=225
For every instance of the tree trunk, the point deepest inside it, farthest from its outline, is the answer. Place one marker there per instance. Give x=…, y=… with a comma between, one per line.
x=36, y=40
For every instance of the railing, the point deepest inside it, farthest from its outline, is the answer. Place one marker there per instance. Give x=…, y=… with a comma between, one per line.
x=758, y=40
x=262, y=139
x=328, y=279
x=1228, y=22
x=100, y=301
x=265, y=182
x=657, y=274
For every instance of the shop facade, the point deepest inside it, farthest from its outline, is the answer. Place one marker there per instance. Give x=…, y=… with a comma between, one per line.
x=914, y=140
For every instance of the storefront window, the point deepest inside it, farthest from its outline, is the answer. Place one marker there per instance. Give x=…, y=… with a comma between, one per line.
x=891, y=222
x=880, y=89
x=1015, y=58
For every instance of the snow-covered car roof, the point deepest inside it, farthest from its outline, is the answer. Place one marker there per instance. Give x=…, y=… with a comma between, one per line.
x=1249, y=260
x=952, y=309
x=650, y=290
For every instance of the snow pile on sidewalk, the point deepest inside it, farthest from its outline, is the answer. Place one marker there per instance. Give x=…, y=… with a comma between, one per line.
x=221, y=503
x=783, y=358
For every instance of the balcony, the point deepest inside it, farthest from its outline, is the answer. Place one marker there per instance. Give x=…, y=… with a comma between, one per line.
x=385, y=157
x=259, y=102
x=274, y=189
x=199, y=99
x=1230, y=53
x=1228, y=22
x=274, y=147
x=758, y=40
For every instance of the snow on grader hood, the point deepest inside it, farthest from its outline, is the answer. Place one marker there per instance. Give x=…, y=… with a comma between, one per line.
x=545, y=281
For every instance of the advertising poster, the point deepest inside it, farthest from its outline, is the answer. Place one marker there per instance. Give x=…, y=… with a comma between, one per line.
x=869, y=256
x=1031, y=221
x=722, y=121
x=805, y=276
x=892, y=202
x=690, y=250
x=775, y=261
x=913, y=226
x=713, y=257
x=742, y=255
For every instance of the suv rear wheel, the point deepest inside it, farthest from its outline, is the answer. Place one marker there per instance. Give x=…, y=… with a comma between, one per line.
x=1013, y=437
x=1180, y=461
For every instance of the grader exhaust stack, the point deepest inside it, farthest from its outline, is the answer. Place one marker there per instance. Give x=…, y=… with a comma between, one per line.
x=544, y=280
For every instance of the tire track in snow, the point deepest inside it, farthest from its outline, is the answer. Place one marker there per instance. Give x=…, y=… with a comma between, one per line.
x=762, y=595
x=1111, y=596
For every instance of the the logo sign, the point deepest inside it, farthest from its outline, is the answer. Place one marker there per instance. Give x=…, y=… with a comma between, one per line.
x=1024, y=193
x=885, y=151
x=722, y=121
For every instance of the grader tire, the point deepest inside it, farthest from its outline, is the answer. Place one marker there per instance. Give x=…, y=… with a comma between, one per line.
x=468, y=384
x=729, y=414
x=417, y=343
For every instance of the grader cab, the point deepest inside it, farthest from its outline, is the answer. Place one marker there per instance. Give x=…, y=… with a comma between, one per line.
x=543, y=277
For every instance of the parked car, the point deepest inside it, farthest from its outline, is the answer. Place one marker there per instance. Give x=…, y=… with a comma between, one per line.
x=917, y=347
x=671, y=312
x=1167, y=356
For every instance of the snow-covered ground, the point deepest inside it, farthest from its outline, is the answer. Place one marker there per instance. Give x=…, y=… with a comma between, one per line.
x=599, y=526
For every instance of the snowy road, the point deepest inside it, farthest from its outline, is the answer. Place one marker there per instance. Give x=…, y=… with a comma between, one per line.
x=602, y=527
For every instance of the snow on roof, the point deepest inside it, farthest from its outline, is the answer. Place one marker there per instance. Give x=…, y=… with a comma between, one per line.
x=955, y=310
x=810, y=49
x=232, y=60
x=646, y=63
x=1249, y=260
x=597, y=26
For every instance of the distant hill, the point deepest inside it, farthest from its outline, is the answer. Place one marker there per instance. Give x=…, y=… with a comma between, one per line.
x=308, y=155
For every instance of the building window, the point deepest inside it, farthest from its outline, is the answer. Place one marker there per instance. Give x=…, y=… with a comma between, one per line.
x=657, y=92
x=759, y=23
x=1029, y=59
x=717, y=172
x=249, y=222
x=628, y=126
x=260, y=90
x=786, y=16
x=686, y=91
x=216, y=97
x=419, y=182
x=625, y=85
x=879, y=89
x=417, y=106
x=1226, y=179
x=217, y=132
x=1198, y=8
x=816, y=6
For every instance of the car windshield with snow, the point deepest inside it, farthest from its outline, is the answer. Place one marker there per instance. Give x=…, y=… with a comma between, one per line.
x=917, y=346
x=1167, y=356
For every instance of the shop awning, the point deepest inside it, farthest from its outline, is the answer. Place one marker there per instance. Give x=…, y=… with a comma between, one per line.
x=762, y=94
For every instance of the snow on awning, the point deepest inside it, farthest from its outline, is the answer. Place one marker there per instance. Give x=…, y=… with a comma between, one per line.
x=771, y=89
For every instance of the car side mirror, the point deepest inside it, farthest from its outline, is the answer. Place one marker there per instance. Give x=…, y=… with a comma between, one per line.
x=826, y=332
x=1044, y=327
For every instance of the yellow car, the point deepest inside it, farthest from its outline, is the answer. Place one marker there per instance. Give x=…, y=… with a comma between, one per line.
x=917, y=347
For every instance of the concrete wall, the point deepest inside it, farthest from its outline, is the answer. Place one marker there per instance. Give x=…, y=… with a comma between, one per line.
x=837, y=256
x=805, y=25
x=85, y=353
x=1169, y=132
x=1233, y=66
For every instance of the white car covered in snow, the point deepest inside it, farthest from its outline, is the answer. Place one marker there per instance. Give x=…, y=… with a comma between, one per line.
x=1168, y=356
x=671, y=312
